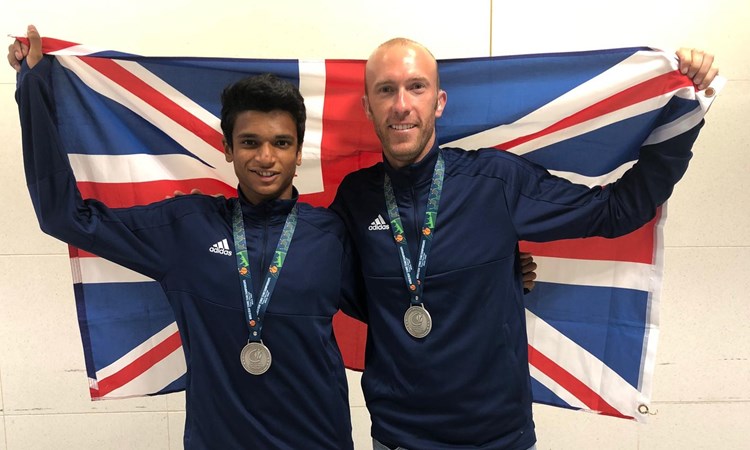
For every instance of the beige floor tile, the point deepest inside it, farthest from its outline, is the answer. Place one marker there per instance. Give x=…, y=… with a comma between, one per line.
x=176, y=430
x=356, y=397
x=704, y=343
x=2, y=432
x=564, y=429
x=2, y=408
x=361, y=428
x=112, y=431
x=175, y=402
x=697, y=426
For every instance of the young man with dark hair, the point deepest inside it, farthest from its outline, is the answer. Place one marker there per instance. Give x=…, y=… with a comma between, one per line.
x=263, y=367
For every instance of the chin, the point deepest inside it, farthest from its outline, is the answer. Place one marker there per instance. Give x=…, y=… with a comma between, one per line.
x=410, y=155
x=402, y=151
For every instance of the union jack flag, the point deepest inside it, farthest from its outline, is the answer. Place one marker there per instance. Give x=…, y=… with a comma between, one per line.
x=139, y=128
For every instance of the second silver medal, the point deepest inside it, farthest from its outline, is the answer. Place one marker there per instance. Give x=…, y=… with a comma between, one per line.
x=255, y=358
x=418, y=321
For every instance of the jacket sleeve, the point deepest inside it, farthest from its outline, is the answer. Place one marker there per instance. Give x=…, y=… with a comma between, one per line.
x=353, y=301
x=545, y=207
x=133, y=237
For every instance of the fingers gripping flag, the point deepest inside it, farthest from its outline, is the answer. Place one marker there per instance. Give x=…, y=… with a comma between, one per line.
x=139, y=128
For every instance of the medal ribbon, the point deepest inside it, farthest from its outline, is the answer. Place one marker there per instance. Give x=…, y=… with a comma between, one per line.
x=413, y=276
x=254, y=313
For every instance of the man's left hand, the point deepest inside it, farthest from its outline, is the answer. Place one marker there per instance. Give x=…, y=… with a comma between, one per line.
x=698, y=66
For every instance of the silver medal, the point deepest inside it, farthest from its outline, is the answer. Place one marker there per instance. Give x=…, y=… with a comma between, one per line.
x=418, y=321
x=255, y=358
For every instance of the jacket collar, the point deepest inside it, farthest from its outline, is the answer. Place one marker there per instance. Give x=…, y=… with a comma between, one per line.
x=415, y=174
x=274, y=209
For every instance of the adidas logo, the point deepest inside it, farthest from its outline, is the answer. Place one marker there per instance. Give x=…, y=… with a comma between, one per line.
x=221, y=247
x=378, y=224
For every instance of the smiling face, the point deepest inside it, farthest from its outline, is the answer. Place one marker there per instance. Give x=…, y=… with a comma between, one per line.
x=402, y=99
x=265, y=152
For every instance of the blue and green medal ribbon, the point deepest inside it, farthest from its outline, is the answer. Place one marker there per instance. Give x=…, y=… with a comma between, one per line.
x=254, y=313
x=414, y=276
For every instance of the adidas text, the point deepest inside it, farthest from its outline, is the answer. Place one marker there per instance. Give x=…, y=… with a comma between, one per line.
x=378, y=224
x=221, y=248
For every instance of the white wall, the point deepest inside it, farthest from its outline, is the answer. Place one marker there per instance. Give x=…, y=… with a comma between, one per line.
x=702, y=383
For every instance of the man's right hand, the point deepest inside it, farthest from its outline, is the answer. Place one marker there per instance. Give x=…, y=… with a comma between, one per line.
x=192, y=192
x=528, y=267
x=180, y=193
x=17, y=51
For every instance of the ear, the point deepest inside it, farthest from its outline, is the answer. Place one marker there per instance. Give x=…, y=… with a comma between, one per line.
x=366, y=106
x=441, y=101
x=227, y=151
x=299, y=155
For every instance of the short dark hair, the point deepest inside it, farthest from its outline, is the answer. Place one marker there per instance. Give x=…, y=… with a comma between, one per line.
x=265, y=93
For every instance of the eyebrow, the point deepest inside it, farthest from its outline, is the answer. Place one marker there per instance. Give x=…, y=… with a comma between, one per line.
x=256, y=135
x=422, y=79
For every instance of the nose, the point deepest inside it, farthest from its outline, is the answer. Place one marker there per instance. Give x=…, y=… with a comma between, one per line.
x=402, y=103
x=265, y=154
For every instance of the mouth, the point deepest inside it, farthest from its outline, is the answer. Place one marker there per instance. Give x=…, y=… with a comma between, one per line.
x=263, y=173
x=401, y=126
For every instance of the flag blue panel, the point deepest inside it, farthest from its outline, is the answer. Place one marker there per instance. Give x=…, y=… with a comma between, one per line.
x=487, y=92
x=122, y=316
x=208, y=77
x=92, y=124
x=545, y=396
x=608, y=322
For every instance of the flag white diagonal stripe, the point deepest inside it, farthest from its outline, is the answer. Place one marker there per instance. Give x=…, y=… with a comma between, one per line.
x=588, y=369
x=639, y=67
x=679, y=126
x=171, y=93
x=591, y=125
x=553, y=386
x=159, y=376
x=137, y=352
x=186, y=138
x=76, y=50
x=505, y=133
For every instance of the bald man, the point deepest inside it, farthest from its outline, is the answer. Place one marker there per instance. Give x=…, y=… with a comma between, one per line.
x=446, y=363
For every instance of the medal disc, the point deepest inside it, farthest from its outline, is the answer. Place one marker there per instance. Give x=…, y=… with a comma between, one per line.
x=418, y=321
x=255, y=358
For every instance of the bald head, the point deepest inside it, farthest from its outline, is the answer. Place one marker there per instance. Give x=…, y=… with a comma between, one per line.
x=402, y=99
x=398, y=48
